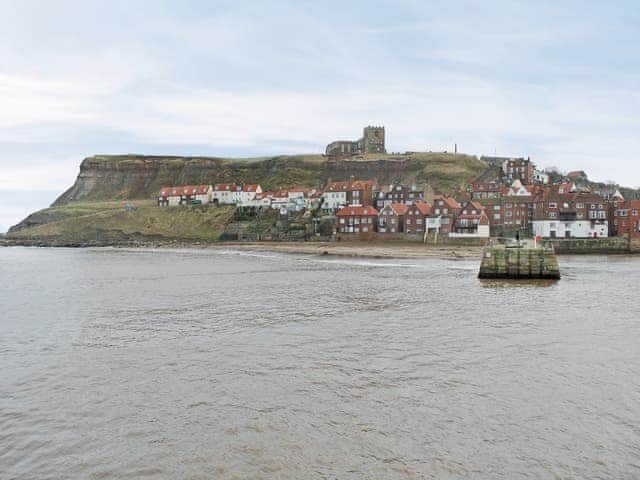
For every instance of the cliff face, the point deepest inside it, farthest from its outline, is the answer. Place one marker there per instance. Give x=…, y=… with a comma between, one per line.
x=113, y=177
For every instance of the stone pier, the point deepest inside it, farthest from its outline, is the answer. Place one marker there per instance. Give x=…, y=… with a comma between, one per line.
x=519, y=261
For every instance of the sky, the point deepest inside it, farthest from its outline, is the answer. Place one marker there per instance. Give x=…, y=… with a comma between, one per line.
x=553, y=80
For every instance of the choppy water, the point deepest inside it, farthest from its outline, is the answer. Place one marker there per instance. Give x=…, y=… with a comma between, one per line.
x=210, y=364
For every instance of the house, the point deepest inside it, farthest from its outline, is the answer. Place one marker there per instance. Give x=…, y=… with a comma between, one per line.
x=391, y=218
x=357, y=219
x=226, y=193
x=280, y=201
x=540, y=177
x=312, y=198
x=481, y=190
x=352, y=192
x=184, y=195
x=570, y=214
x=416, y=218
x=247, y=194
x=263, y=200
x=518, y=169
x=443, y=213
x=397, y=194
x=472, y=222
x=627, y=219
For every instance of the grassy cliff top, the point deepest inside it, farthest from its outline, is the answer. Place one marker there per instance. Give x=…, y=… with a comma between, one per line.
x=111, y=222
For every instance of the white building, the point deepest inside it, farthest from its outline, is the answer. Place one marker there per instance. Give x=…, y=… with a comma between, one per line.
x=226, y=193
x=185, y=195
x=571, y=229
x=332, y=201
x=540, y=177
x=247, y=194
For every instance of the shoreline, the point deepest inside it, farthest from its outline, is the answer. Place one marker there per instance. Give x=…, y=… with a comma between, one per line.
x=339, y=249
x=352, y=248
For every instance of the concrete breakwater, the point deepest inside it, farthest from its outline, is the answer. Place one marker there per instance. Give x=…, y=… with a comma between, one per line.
x=519, y=262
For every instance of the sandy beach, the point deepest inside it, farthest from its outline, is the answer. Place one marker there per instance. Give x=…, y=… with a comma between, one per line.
x=357, y=249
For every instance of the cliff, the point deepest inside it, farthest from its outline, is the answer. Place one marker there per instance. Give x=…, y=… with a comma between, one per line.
x=116, y=177
x=93, y=210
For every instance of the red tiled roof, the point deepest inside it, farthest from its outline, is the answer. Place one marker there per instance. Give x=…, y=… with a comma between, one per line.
x=400, y=208
x=229, y=187
x=423, y=207
x=356, y=211
x=184, y=190
x=250, y=187
x=448, y=201
x=280, y=194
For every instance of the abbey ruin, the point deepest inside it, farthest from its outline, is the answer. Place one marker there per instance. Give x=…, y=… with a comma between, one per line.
x=372, y=141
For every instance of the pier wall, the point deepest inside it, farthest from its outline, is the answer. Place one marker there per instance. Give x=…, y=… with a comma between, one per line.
x=515, y=263
x=612, y=245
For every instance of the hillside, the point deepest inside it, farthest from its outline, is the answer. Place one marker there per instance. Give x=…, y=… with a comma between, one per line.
x=119, y=177
x=93, y=209
x=109, y=223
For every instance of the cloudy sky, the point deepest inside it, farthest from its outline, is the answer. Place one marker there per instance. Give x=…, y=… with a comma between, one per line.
x=554, y=80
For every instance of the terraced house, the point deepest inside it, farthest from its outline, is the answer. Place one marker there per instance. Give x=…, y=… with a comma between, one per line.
x=627, y=219
x=392, y=217
x=417, y=218
x=570, y=215
x=184, y=195
x=356, y=219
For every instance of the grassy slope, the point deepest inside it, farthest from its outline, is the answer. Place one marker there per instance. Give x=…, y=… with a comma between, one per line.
x=105, y=222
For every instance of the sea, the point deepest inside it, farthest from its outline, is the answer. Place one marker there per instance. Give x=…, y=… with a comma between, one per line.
x=223, y=364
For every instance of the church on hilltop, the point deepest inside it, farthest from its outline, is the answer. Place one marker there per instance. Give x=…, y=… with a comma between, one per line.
x=372, y=141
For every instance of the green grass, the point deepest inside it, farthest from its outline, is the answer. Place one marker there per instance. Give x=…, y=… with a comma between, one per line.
x=109, y=221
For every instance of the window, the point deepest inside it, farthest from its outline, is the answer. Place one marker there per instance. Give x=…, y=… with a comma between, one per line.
x=592, y=215
x=445, y=211
x=634, y=213
x=565, y=205
x=508, y=205
x=408, y=221
x=553, y=215
x=579, y=205
x=509, y=214
x=437, y=211
x=342, y=221
x=602, y=214
x=496, y=216
x=580, y=215
x=553, y=205
x=496, y=207
x=593, y=207
x=419, y=221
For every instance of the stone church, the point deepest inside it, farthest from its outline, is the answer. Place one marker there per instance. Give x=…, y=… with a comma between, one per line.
x=372, y=141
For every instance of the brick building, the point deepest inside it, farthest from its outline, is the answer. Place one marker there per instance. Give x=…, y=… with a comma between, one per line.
x=446, y=209
x=397, y=194
x=570, y=215
x=391, y=218
x=416, y=218
x=627, y=219
x=356, y=219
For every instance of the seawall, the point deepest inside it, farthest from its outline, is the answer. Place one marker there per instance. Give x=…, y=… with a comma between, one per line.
x=582, y=246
